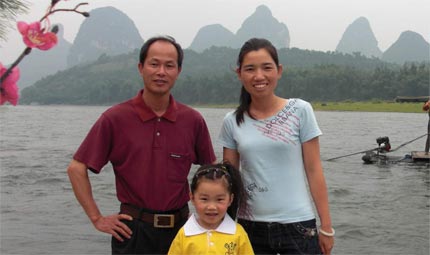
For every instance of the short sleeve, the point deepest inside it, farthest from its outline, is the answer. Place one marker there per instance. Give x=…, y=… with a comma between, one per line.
x=226, y=135
x=94, y=150
x=309, y=128
x=245, y=247
x=176, y=246
x=204, y=149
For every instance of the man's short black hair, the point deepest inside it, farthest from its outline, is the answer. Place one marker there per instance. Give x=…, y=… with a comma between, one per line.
x=166, y=38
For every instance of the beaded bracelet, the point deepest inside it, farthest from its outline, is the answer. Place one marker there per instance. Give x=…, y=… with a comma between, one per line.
x=326, y=233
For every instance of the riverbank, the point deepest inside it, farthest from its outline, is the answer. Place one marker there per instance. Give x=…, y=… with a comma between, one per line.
x=369, y=106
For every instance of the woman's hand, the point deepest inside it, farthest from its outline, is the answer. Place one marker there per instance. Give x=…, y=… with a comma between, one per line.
x=326, y=243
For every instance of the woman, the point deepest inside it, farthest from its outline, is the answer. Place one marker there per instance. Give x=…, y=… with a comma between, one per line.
x=275, y=141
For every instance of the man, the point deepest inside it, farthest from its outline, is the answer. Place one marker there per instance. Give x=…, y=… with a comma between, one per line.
x=151, y=141
x=426, y=107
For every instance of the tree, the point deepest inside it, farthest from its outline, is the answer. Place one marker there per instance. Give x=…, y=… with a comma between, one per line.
x=9, y=9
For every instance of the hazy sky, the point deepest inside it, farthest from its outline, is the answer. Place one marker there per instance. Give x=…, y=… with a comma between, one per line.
x=313, y=24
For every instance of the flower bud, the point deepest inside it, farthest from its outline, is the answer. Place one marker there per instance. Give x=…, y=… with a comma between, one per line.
x=54, y=2
x=86, y=14
x=55, y=29
x=27, y=50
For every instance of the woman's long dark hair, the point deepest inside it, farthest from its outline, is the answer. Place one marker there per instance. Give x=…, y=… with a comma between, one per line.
x=252, y=44
x=235, y=185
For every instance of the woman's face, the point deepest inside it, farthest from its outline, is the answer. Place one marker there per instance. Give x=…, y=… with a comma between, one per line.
x=259, y=74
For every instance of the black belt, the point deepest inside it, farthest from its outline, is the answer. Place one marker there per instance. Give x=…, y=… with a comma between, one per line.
x=159, y=219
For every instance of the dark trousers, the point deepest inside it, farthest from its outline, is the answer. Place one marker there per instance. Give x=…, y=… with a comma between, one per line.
x=146, y=239
x=428, y=137
x=277, y=238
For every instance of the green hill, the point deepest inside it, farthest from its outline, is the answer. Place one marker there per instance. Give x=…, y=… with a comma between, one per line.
x=209, y=78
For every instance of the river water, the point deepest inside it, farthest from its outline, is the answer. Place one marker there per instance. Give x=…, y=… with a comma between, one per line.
x=376, y=209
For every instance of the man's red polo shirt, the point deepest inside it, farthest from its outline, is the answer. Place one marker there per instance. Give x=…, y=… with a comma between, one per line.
x=151, y=156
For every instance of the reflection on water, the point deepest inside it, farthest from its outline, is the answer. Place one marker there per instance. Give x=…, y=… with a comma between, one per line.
x=376, y=209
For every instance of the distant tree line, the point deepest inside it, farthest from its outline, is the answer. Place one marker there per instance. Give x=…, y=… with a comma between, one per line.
x=209, y=78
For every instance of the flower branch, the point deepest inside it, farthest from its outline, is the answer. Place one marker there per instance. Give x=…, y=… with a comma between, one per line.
x=34, y=36
x=52, y=11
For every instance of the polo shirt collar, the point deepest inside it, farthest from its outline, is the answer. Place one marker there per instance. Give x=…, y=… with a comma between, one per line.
x=192, y=227
x=146, y=113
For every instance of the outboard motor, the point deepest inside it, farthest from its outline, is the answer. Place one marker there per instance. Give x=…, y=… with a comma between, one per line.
x=369, y=157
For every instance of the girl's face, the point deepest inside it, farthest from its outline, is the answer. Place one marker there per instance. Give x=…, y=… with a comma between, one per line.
x=211, y=200
x=259, y=73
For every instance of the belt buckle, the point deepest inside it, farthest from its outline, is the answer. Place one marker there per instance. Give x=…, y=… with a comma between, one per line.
x=158, y=217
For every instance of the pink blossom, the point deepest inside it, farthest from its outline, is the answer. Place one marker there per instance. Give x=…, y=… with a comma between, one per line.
x=35, y=37
x=9, y=89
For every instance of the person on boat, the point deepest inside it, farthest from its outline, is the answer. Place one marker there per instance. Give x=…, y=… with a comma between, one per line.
x=383, y=144
x=151, y=141
x=426, y=107
x=275, y=142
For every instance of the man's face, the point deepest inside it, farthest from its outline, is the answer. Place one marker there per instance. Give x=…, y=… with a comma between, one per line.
x=160, y=69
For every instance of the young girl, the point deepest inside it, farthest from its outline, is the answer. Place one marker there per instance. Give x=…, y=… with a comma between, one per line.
x=275, y=142
x=218, y=194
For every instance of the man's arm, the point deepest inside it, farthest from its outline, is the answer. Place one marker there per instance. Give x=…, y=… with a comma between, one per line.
x=78, y=175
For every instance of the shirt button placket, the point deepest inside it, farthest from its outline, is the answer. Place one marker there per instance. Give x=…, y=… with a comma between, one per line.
x=210, y=242
x=157, y=133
